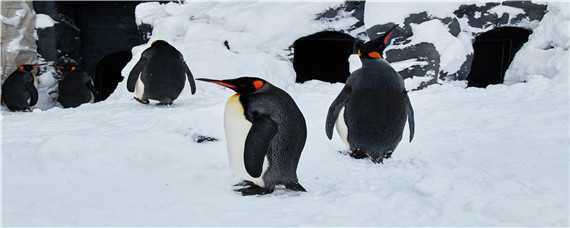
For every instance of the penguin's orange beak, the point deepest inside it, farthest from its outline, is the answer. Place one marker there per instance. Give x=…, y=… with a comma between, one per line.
x=219, y=82
x=375, y=55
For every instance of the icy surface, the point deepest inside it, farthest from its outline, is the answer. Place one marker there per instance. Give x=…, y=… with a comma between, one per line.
x=485, y=157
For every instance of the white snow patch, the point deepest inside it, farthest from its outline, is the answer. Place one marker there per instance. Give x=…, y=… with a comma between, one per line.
x=452, y=50
x=500, y=10
x=44, y=21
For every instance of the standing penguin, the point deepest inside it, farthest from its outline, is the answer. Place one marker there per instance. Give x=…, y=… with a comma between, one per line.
x=75, y=87
x=371, y=110
x=159, y=74
x=18, y=90
x=265, y=132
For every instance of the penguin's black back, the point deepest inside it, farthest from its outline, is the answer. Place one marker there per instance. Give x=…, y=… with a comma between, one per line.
x=73, y=89
x=286, y=146
x=16, y=90
x=164, y=75
x=375, y=114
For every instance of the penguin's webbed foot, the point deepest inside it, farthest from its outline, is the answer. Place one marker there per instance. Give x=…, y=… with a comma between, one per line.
x=253, y=190
x=377, y=160
x=358, y=154
x=142, y=101
x=244, y=183
x=295, y=187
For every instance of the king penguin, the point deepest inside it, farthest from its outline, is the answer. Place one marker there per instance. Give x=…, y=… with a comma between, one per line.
x=18, y=90
x=371, y=110
x=159, y=74
x=75, y=87
x=265, y=132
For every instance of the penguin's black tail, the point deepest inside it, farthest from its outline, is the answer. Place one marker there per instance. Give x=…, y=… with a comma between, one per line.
x=295, y=187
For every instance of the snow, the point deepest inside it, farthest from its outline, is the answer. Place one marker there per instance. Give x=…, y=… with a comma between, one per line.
x=44, y=21
x=480, y=157
x=500, y=10
x=548, y=44
x=453, y=50
x=381, y=12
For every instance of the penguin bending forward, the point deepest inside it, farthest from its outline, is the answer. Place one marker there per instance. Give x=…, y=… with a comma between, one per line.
x=265, y=132
x=159, y=74
x=18, y=90
x=371, y=110
x=75, y=87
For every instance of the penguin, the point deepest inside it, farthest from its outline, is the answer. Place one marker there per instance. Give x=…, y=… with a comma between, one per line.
x=159, y=74
x=265, y=133
x=371, y=110
x=18, y=91
x=75, y=86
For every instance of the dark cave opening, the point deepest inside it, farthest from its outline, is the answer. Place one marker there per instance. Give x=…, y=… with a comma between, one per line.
x=108, y=73
x=493, y=53
x=323, y=56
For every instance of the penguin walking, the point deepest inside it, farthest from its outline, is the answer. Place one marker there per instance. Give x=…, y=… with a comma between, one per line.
x=371, y=110
x=75, y=86
x=18, y=91
x=265, y=132
x=159, y=74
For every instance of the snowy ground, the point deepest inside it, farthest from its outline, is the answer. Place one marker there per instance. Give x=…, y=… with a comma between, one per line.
x=481, y=157
x=484, y=157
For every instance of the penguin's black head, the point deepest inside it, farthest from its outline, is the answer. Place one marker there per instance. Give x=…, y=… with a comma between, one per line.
x=68, y=67
x=242, y=86
x=373, y=49
x=159, y=43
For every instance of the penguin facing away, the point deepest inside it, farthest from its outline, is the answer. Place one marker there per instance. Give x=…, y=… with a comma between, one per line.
x=159, y=74
x=371, y=110
x=18, y=90
x=265, y=132
x=75, y=87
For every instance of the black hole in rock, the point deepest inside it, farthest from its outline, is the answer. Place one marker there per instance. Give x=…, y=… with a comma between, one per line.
x=108, y=73
x=323, y=56
x=494, y=51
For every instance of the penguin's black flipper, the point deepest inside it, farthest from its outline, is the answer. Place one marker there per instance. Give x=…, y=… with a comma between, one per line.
x=410, y=112
x=335, y=108
x=190, y=78
x=257, y=144
x=33, y=95
x=135, y=73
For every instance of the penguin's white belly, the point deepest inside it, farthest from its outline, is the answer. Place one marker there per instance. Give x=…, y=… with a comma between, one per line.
x=341, y=127
x=139, y=88
x=237, y=127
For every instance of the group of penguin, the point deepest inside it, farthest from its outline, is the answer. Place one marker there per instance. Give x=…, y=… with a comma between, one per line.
x=265, y=129
x=75, y=87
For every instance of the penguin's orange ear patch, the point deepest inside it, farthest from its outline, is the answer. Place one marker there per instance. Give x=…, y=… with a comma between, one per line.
x=258, y=84
x=374, y=55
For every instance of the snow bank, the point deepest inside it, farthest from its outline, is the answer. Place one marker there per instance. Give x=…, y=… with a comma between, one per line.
x=546, y=53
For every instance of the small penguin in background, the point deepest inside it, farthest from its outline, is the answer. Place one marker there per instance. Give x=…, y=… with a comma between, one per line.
x=18, y=91
x=75, y=86
x=159, y=74
x=265, y=133
x=371, y=110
